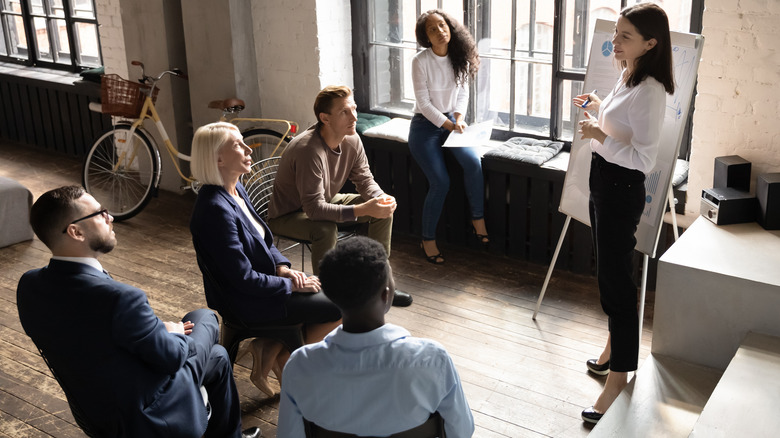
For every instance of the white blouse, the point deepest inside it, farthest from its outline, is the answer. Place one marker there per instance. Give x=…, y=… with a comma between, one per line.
x=245, y=209
x=632, y=118
x=435, y=90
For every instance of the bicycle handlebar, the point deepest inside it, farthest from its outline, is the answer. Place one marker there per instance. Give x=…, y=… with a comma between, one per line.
x=147, y=79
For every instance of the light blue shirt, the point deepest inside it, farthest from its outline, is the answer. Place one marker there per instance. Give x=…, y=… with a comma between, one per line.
x=376, y=383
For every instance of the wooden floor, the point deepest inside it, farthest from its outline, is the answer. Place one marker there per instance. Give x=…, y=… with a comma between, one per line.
x=522, y=378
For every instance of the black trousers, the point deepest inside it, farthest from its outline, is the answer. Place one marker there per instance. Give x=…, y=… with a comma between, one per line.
x=617, y=200
x=211, y=367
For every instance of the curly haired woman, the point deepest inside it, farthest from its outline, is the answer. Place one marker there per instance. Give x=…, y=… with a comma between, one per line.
x=440, y=76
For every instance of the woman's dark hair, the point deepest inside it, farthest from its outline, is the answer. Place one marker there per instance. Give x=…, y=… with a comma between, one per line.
x=651, y=22
x=461, y=50
x=354, y=272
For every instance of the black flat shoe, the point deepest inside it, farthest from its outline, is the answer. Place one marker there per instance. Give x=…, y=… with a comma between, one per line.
x=593, y=367
x=591, y=416
x=436, y=259
x=402, y=299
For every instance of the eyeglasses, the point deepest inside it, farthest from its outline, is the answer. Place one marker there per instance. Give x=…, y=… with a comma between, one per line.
x=103, y=212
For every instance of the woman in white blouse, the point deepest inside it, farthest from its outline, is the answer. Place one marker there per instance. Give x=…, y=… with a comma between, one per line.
x=440, y=77
x=624, y=141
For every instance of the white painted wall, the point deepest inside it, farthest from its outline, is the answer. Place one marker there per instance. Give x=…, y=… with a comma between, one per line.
x=301, y=47
x=112, y=37
x=737, y=103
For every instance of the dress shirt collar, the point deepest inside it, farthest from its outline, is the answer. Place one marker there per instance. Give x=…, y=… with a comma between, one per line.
x=89, y=261
x=382, y=335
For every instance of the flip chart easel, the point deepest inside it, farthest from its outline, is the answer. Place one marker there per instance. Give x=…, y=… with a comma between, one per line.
x=602, y=74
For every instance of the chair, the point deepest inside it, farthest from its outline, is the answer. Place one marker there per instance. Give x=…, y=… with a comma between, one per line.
x=432, y=428
x=259, y=185
x=233, y=331
x=78, y=414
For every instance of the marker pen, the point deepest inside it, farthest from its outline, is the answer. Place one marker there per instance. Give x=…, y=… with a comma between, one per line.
x=587, y=101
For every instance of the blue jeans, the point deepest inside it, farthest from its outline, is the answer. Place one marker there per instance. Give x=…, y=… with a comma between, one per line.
x=425, y=144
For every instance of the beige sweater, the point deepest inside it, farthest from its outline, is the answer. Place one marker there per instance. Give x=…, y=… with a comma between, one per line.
x=310, y=174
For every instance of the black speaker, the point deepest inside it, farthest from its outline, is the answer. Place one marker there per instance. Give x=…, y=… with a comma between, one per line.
x=768, y=194
x=732, y=171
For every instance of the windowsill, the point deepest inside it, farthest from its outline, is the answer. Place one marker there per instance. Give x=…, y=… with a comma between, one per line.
x=39, y=73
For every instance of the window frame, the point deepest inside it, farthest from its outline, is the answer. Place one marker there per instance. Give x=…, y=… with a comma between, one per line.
x=361, y=45
x=74, y=61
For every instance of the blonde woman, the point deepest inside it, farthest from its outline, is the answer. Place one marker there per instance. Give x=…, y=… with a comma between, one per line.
x=255, y=282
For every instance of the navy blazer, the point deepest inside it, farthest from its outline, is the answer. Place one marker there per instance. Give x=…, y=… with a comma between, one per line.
x=120, y=365
x=238, y=258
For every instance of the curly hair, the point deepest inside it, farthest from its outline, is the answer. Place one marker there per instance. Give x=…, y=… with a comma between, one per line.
x=354, y=272
x=461, y=50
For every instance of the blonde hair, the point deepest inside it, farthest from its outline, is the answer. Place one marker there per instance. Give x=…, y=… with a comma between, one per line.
x=205, y=151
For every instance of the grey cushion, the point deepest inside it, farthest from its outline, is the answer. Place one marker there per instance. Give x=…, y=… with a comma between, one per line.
x=527, y=150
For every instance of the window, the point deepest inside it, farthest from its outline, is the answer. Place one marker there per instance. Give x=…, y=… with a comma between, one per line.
x=533, y=55
x=51, y=33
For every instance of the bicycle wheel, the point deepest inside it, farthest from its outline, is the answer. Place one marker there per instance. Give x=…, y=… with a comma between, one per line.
x=265, y=143
x=120, y=172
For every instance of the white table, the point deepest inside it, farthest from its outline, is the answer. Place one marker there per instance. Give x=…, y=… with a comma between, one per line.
x=714, y=285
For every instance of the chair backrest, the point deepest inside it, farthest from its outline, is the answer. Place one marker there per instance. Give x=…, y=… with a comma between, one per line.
x=432, y=428
x=78, y=414
x=259, y=184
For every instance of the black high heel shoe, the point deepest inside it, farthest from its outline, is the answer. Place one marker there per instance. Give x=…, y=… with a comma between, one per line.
x=483, y=239
x=436, y=259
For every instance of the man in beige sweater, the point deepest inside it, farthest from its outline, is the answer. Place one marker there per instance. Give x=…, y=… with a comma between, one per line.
x=306, y=203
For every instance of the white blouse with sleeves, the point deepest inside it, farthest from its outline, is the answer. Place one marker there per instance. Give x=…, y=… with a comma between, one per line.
x=632, y=118
x=435, y=90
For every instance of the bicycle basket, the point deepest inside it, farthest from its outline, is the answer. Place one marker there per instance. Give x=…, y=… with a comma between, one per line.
x=121, y=97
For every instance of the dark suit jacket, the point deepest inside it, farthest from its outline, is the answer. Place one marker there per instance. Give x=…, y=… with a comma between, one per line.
x=115, y=358
x=241, y=262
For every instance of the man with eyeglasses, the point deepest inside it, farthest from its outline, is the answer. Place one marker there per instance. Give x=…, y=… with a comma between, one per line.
x=126, y=372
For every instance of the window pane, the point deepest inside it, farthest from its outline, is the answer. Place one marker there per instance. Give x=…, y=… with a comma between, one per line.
x=61, y=42
x=570, y=89
x=12, y=6
x=83, y=9
x=497, y=33
x=391, y=77
x=89, y=52
x=388, y=27
x=36, y=6
x=42, y=39
x=57, y=8
x=532, y=97
x=493, y=91
x=15, y=26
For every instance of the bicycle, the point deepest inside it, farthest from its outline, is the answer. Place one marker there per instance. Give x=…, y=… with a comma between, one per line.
x=122, y=168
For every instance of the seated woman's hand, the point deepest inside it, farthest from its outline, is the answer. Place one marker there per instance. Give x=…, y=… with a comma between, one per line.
x=310, y=285
x=298, y=278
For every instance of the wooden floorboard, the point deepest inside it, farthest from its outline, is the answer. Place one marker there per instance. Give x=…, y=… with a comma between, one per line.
x=523, y=378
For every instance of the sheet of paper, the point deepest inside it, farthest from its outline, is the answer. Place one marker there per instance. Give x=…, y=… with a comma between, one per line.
x=474, y=135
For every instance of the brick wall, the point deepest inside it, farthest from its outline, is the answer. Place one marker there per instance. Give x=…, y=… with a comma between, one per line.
x=736, y=105
x=112, y=40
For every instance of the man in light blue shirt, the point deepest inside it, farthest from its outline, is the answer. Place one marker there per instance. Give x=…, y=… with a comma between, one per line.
x=367, y=377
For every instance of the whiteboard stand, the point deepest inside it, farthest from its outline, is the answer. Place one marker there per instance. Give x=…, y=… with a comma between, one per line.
x=552, y=265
